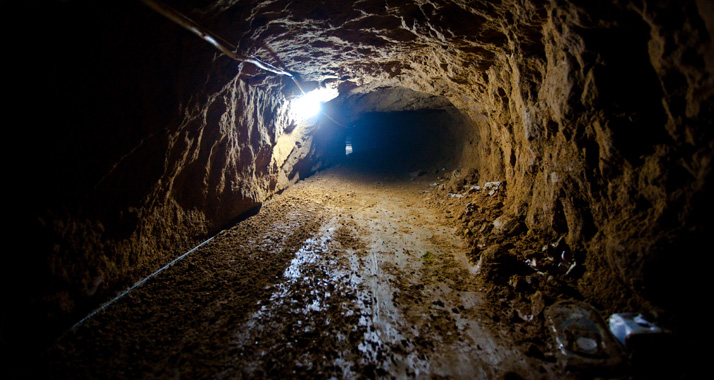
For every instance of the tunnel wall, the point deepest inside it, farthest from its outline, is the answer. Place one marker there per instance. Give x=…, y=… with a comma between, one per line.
x=149, y=143
x=598, y=117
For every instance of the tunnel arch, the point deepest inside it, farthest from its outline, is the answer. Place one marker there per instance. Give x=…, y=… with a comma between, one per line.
x=148, y=133
x=399, y=128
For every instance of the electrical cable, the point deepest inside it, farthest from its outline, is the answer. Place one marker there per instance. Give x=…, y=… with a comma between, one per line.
x=226, y=48
x=125, y=292
x=221, y=44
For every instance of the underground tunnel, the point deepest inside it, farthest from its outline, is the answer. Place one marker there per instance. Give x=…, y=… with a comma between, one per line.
x=511, y=189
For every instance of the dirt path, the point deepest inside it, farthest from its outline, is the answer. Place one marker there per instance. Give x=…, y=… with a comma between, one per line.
x=344, y=275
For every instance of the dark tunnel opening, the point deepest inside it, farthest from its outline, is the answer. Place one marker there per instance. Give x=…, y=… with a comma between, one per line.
x=394, y=131
x=562, y=150
x=404, y=140
x=398, y=143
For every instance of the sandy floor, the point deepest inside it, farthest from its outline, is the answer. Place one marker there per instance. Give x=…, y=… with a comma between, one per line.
x=348, y=274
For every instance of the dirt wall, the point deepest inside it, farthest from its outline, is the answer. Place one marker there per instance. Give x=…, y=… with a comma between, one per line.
x=598, y=117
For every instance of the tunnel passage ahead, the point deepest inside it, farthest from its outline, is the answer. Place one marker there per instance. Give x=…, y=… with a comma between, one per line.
x=392, y=129
x=601, y=110
x=407, y=139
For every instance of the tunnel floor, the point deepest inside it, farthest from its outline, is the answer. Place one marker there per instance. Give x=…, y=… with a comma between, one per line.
x=350, y=273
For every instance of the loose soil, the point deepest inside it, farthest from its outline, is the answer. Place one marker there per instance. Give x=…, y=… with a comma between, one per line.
x=354, y=272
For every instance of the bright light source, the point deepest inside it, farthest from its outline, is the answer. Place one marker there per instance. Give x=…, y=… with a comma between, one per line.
x=305, y=107
x=348, y=145
x=310, y=104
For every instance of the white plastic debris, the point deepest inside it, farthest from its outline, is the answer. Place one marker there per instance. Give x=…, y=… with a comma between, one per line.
x=570, y=268
x=626, y=326
x=492, y=187
x=473, y=189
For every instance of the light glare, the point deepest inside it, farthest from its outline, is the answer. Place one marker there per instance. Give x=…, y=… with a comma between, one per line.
x=310, y=104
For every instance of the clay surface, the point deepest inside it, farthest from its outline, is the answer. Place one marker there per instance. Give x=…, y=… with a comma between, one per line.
x=347, y=274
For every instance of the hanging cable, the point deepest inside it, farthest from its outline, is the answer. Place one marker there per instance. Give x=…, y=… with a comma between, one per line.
x=219, y=43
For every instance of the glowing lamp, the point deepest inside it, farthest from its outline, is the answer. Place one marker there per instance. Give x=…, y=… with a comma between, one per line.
x=310, y=104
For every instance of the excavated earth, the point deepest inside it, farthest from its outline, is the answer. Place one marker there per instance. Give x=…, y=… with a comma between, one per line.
x=355, y=272
x=139, y=140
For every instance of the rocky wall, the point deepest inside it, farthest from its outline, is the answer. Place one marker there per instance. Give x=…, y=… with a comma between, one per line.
x=147, y=142
x=596, y=126
x=597, y=116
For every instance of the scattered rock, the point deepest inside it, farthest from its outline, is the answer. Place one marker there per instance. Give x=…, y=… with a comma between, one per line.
x=519, y=283
x=522, y=314
x=537, y=303
x=492, y=187
x=456, y=185
x=469, y=209
x=471, y=176
x=508, y=225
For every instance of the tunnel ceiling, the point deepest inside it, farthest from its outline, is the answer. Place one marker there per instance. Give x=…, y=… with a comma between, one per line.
x=375, y=44
x=387, y=99
x=597, y=117
x=430, y=47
